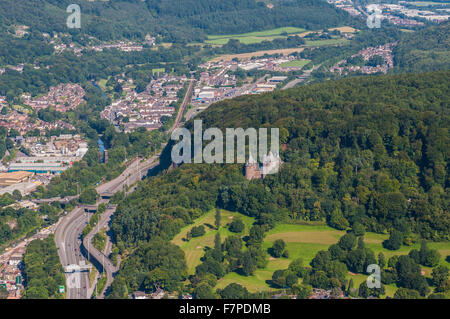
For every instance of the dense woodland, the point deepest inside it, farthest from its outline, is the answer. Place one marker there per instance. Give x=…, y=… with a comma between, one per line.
x=426, y=49
x=375, y=148
x=368, y=153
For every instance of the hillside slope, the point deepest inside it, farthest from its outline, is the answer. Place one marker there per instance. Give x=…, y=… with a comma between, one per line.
x=372, y=152
x=375, y=149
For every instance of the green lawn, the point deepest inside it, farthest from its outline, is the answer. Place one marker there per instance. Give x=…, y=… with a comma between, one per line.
x=243, y=40
x=194, y=249
x=319, y=43
x=254, y=37
x=295, y=64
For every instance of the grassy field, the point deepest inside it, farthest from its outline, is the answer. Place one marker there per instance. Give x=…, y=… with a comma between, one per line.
x=319, y=43
x=254, y=37
x=345, y=29
x=101, y=283
x=194, y=248
x=309, y=43
x=295, y=64
x=304, y=241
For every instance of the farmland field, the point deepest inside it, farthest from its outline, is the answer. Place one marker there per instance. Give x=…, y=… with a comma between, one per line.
x=254, y=37
x=249, y=55
x=243, y=40
x=345, y=29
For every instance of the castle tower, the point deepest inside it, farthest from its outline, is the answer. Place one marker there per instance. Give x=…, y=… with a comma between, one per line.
x=252, y=170
x=271, y=164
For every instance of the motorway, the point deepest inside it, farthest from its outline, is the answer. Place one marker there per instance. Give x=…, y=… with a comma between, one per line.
x=70, y=228
x=135, y=171
x=68, y=232
x=99, y=256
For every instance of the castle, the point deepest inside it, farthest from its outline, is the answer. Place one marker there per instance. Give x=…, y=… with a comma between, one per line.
x=270, y=165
